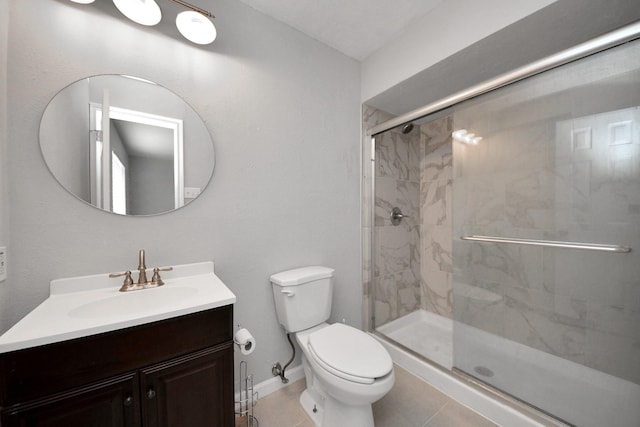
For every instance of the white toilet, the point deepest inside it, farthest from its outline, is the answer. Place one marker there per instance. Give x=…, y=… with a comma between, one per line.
x=346, y=369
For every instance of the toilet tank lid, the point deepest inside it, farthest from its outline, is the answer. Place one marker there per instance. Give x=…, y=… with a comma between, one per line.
x=301, y=275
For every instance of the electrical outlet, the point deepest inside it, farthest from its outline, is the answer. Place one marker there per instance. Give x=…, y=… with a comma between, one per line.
x=191, y=192
x=3, y=263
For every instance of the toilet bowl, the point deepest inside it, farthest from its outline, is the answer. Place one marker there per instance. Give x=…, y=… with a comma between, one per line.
x=346, y=369
x=346, y=379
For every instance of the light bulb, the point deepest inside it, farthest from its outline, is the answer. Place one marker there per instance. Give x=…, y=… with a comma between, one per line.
x=196, y=27
x=468, y=138
x=459, y=134
x=144, y=12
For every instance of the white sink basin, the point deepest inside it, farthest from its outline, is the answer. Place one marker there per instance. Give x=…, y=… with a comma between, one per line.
x=87, y=305
x=134, y=302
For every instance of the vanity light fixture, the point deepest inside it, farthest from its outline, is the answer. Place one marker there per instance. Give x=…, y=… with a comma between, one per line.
x=195, y=24
x=196, y=27
x=144, y=12
x=468, y=138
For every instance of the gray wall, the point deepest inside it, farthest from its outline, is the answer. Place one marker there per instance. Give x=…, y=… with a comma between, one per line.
x=4, y=197
x=283, y=111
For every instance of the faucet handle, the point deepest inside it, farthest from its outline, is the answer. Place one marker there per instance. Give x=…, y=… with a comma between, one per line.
x=156, y=279
x=128, y=281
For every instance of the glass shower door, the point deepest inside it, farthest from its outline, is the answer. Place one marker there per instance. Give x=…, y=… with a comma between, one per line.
x=558, y=160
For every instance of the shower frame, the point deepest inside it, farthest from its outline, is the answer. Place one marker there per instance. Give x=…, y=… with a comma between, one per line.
x=609, y=40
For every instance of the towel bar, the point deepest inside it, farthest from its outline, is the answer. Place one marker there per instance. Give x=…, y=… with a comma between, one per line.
x=550, y=243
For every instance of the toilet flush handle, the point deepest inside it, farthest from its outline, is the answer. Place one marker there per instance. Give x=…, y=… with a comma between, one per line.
x=288, y=292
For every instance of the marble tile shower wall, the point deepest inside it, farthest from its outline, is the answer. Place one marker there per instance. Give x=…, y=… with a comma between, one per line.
x=436, y=235
x=397, y=247
x=413, y=172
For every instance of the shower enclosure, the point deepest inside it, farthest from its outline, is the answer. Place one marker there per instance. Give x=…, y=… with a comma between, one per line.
x=504, y=236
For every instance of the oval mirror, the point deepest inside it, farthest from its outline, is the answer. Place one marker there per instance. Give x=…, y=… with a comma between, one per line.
x=126, y=145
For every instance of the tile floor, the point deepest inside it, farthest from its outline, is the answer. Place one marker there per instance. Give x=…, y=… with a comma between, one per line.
x=411, y=403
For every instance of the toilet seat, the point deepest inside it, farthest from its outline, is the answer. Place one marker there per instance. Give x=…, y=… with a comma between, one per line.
x=349, y=353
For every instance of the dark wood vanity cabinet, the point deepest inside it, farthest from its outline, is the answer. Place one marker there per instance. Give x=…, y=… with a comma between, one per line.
x=172, y=373
x=183, y=392
x=105, y=404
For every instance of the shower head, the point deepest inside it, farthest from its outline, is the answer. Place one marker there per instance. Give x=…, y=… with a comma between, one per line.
x=407, y=128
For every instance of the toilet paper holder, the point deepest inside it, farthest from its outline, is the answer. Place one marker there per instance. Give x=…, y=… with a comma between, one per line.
x=244, y=340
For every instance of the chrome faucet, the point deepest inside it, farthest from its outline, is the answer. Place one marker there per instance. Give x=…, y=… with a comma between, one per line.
x=142, y=282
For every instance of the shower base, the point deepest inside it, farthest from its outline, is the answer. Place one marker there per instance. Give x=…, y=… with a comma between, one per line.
x=422, y=342
x=428, y=334
x=575, y=392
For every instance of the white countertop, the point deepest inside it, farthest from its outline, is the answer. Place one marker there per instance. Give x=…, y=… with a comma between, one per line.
x=88, y=305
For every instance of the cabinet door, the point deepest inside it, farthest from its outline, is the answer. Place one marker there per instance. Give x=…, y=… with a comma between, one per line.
x=191, y=391
x=111, y=403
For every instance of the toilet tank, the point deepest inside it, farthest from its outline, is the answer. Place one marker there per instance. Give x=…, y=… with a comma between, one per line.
x=303, y=297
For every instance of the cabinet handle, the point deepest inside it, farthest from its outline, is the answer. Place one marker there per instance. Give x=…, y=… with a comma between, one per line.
x=151, y=394
x=128, y=401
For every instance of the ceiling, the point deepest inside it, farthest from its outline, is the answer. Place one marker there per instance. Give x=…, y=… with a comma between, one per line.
x=142, y=140
x=356, y=28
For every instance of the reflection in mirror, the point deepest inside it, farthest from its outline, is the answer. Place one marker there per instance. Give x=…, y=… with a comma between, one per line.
x=150, y=154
